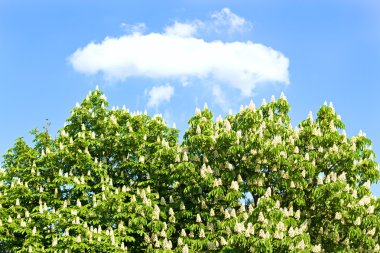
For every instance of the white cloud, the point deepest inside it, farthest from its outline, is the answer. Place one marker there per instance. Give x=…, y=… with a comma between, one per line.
x=239, y=64
x=159, y=94
x=223, y=21
x=177, y=54
x=219, y=98
x=226, y=19
x=184, y=81
x=182, y=29
x=135, y=28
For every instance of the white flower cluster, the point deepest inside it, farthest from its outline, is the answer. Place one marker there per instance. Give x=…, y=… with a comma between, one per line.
x=234, y=185
x=205, y=170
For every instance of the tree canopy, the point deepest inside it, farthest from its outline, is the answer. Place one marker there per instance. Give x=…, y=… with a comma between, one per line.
x=115, y=181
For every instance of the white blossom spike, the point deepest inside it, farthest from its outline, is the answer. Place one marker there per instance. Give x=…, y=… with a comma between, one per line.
x=252, y=106
x=301, y=245
x=185, y=249
x=372, y=232
x=310, y=116
x=282, y=96
x=227, y=125
x=226, y=214
x=197, y=111
x=202, y=234
x=198, y=131
x=291, y=232
x=184, y=157
x=234, y=185
x=219, y=119
x=357, y=221
x=297, y=215
x=268, y=192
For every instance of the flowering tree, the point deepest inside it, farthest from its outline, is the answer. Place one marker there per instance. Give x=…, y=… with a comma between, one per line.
x=114, y=181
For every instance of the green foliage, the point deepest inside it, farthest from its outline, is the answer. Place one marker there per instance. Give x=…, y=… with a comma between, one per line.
x=114, y=181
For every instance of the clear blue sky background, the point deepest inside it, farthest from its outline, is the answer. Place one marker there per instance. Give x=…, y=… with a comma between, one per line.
x=333, y=49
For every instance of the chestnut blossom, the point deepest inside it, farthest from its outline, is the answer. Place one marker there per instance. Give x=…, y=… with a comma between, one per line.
x=371, y=232
x=338, y=216
x=223, y=241
x=198, y=130
x=301, y=244
x=365, y=200
x=291, y=232
x=185, y=249
x=297, y=215
x=234, y=185
x=226, y=214
x=268, y=192
x=227, y=125
x=261, y=217
x=282, y=96
x=252, y=106
x=202, y=234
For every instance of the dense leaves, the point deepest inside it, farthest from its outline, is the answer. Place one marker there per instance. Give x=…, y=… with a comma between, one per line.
x=115, y=181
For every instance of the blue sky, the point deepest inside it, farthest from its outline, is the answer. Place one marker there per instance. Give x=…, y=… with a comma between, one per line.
x=180, y=54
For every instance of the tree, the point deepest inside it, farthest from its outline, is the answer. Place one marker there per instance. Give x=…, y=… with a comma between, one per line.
x=115, y=181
